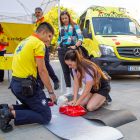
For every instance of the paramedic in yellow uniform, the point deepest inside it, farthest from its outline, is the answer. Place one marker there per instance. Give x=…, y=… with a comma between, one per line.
x=34, y=108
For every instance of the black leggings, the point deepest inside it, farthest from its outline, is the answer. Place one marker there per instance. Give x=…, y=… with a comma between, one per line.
x=65, y=68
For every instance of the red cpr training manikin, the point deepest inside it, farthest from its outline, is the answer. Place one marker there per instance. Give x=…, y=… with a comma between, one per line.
x=72, y=110
x=69, y=110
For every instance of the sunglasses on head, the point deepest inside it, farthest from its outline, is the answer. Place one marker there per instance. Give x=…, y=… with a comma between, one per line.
x=38, y=8
x=63, y=12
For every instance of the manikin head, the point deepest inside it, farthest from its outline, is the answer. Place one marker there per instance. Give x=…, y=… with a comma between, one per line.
x=62, y=100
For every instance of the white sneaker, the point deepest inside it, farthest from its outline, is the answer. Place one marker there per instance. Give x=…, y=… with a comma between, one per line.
x=80, y=91
x=68, y=91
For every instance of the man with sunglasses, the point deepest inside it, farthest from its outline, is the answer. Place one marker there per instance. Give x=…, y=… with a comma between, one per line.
x=40, y=19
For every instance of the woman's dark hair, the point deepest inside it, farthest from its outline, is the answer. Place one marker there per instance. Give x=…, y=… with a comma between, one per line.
x=73, y=55
x=1, y=29
x=45, y=26
x=70, y=19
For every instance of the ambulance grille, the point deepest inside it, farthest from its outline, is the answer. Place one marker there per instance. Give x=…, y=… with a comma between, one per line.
x=129, y=52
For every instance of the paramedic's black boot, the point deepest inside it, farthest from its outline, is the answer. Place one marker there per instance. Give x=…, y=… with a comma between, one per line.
x=56, y=85
x=6, y=127
x=5, y=118
x=4, y=106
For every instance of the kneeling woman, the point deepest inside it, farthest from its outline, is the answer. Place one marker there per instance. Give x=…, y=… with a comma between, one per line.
x=96, y=84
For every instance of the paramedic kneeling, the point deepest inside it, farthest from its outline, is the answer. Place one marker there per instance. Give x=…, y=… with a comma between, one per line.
x=29, y=54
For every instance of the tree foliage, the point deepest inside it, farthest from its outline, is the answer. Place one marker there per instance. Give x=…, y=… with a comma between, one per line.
x=52, y=17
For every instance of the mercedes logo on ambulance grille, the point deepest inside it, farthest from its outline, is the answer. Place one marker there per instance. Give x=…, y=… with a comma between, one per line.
x=136, y=51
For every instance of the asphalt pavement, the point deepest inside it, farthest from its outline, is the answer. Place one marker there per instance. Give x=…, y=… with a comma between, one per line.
x=125, y=92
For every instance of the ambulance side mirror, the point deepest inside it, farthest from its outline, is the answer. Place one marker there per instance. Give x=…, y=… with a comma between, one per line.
x=85, y=32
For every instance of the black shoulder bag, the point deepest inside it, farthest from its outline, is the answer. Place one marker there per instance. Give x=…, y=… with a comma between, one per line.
x=82, y=50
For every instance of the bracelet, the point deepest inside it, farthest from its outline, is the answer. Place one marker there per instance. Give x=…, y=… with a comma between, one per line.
x=51, y=92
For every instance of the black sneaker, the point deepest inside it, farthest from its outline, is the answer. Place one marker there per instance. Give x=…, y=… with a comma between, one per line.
x=56, y=85
x=108, y=99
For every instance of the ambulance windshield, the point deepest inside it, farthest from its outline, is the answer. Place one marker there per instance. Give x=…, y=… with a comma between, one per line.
x=114, y=26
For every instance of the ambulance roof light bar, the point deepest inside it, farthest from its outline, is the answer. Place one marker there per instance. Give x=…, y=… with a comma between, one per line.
x=92, y=6
x=95, y=7
x=122, y=9
x=108, y=10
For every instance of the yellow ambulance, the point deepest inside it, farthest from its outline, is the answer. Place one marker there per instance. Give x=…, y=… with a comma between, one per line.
x=112, y=37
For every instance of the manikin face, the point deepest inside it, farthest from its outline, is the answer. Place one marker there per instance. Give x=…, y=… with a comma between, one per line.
x=38, y=14
x=71, y=64
x=65, y=19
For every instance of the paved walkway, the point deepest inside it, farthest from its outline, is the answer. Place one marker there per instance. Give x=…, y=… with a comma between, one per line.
x=125, y=93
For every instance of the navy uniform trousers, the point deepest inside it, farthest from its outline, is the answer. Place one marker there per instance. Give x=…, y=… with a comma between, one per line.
x=34, y=109
x=49, y=68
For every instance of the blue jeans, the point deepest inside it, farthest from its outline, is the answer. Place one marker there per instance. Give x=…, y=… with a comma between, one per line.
x=34, y=109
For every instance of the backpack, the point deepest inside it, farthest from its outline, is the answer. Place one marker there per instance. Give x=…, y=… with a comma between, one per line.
x=82, y=50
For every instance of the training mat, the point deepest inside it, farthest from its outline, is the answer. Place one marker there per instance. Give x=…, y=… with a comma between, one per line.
x=113, y=118
x=78, y=128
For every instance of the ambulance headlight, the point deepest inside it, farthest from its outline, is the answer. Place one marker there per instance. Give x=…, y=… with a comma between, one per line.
x=107, y=50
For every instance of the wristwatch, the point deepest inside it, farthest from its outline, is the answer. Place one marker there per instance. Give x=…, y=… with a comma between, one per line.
x=75, y=45
x=51, y=92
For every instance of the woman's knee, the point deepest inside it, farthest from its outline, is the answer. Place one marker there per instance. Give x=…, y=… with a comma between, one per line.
x=93, y=107
x=90, y=107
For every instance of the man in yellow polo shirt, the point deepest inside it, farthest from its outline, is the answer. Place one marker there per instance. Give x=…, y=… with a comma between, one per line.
x=40, y=19
x=29, y=54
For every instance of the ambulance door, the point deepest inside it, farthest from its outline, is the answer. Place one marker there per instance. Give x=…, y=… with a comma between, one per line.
x=88, y=41
x=81, y=24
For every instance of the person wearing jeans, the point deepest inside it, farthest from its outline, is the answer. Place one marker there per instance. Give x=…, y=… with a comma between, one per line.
x=65, y=43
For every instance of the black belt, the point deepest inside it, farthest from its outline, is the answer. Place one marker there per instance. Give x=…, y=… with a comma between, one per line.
x=65, y=46
x=20, y=79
